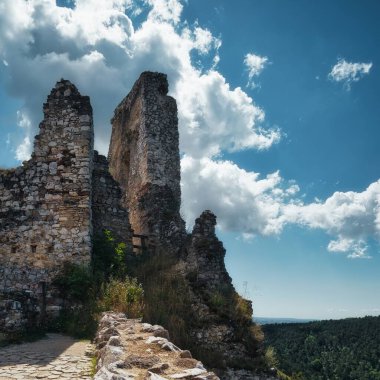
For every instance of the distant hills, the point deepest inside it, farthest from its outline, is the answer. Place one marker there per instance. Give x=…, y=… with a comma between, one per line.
x=266, y=320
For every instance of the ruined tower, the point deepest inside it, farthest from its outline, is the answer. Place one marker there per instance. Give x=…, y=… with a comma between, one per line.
x=53, y=205
x=144, y=157
x=45, y=210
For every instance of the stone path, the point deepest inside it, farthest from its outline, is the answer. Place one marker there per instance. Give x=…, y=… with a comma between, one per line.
x=54, y=357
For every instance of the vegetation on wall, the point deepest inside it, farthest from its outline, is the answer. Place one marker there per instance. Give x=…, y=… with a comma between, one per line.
x=168, y=298
x=337, y=349
x=89, y=291
x=153, y=286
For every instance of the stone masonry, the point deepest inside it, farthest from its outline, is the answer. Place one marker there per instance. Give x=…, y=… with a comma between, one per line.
x=144, y=158
x=45, y=210
x=50, y=206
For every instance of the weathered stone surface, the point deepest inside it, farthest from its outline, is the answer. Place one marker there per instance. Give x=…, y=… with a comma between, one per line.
x=144, y=158
x=50, y=207
x=54, y=357
x=45, y=205
x=146, y=358
x=107, y=210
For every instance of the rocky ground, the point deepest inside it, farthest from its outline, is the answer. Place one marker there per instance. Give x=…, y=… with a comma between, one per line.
x=54, y=357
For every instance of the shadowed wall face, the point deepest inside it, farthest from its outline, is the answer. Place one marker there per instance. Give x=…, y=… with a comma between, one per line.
x=144, y=156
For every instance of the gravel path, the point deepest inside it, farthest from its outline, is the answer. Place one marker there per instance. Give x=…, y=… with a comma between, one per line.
x=54, y=357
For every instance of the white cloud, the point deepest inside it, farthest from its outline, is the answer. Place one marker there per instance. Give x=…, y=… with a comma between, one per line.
x=43, y=42
x=96, y=46
x=165, y=10
x=255, y=65
x=204, y=40
x=246, y=203
x=242, y=200
x=357, y=249
x=206, y=100
x=24, y=149
x=348, y=72
x=351, y=217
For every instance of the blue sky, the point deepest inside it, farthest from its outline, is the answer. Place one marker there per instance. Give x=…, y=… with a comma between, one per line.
x=279, y=126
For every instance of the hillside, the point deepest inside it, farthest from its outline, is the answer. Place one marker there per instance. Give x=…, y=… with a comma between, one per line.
x=334, y=349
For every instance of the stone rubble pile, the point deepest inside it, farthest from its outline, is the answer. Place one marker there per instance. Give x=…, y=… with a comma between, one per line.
x=128, y=349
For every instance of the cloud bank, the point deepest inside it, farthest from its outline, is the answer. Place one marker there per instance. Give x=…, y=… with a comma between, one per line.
x=349, y=72
x=255, y=205
x=97, y=46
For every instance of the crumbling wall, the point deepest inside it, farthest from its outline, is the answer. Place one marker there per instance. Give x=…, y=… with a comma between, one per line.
x=45, y=205
x=127, y=348
x=205, y=254
x=223, y=327
x=107, y=210
x=144, y=157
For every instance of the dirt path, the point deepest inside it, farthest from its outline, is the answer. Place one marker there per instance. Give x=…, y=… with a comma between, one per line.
x=54, y=357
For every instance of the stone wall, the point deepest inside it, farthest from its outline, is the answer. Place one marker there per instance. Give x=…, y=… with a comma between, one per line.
x=45, y=205
x=144, y=157
x=129, y=349
x=107, y=210
x=51, y=206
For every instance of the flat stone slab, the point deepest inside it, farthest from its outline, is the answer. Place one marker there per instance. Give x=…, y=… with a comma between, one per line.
x=54, y=357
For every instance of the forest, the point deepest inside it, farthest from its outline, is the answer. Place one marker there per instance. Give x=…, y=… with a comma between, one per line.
x=346, y=349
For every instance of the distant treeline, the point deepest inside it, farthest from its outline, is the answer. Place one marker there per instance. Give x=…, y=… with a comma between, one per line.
x=347, y=349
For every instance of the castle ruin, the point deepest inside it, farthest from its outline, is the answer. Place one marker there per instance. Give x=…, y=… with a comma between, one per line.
x=54, y=204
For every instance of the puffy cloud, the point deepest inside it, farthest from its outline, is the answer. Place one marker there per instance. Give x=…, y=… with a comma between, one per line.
x=43, y=42
x=242, y=200
x=95, y=45
x=352, y=217
x=246, y=203
x=207, y=100
x=348, y=72
x=255, y=65
x=349, y=214
x=357, y=248
x=165, y=10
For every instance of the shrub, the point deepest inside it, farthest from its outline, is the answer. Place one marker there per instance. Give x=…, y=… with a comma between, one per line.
x=87, y=291
x=125, y=296
x=109, y=256
x=74, y=282
x=270, y=357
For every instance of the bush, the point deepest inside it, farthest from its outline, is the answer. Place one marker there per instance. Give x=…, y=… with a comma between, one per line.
x=109, y=256
x=125, y=296
x=87, y=291
x=270, y=357
x=166, y=295
x=74, y=282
